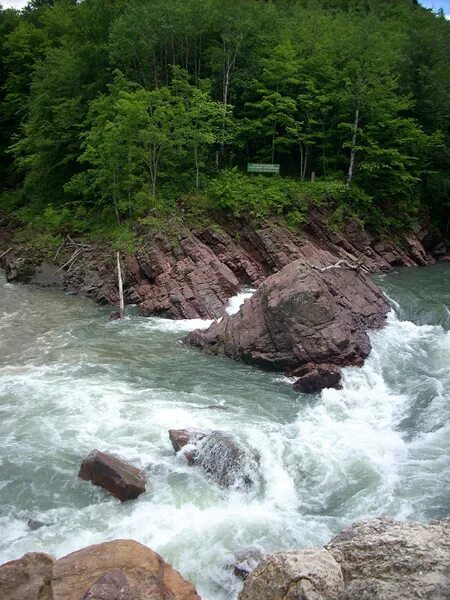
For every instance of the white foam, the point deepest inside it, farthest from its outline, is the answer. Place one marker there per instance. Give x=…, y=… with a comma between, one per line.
x=235, y=303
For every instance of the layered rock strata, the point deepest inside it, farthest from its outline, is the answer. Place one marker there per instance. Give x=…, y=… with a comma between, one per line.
x=193, y=273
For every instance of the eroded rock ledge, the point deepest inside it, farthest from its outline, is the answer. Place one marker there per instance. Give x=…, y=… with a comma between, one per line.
x=304, y=320
x=192, y=273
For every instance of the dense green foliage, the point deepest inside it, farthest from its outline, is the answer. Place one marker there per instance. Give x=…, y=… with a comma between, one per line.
x=116, y=110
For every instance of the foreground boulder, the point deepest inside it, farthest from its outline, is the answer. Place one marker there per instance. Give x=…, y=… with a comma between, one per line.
x=118, y=570
x=390, y=560
x=310, y=574
x=304, y=315
x=28, y=578
x=118, y=477
x=146, y=573
x=230, y=462
x=377, y=559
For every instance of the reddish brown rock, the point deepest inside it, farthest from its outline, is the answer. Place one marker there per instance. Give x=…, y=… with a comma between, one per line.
x=111, y=586
x=149, y=577
x=182, y=437
x=316, y=378
x=120, y=479
x=191, y=274
x=28, y=578
x=301, y=316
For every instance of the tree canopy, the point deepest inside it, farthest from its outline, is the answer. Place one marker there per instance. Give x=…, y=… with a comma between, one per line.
x=113, y=107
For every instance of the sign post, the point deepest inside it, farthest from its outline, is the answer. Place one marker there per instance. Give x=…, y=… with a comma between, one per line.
x=263, y=168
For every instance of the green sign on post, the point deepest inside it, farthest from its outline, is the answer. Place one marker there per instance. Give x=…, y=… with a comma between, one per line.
x=262, y=168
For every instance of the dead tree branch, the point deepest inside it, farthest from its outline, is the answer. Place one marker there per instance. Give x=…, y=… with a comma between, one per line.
x=341, y=264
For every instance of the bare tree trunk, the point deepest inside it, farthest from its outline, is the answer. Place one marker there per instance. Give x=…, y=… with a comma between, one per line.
x=300, y=145
x=352, y=153
x=120, y=282
x=305, y=164
x=197, y=167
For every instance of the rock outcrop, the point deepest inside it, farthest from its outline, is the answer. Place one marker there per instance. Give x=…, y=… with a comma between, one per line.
x=230, y=462
x=390, y=560
x=118, y=570
x=377, y=559
x=192, y=273
x=302, y=317
x=118, y=477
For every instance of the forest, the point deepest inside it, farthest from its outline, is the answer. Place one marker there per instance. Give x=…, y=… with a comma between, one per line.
x=118, y=113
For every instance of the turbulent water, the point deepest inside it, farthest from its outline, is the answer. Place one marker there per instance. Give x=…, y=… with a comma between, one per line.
x=71, y=381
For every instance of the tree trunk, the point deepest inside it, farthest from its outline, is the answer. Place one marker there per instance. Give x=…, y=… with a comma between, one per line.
x=197, y=167
x=305, y=164
x=352, y=153
x=300, y=145
x=120, y=282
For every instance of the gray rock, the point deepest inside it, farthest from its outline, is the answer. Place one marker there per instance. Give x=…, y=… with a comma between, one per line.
x=391, y=560
x=310, y=574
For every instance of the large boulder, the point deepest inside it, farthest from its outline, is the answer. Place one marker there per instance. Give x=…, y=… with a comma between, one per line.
x=302, y=315
x=391, y=560
x=230, y=462
x=310, y=574
x=144, y=571
x=117, y=570
x=28, y=578
x=118, y=477
x=377, y=559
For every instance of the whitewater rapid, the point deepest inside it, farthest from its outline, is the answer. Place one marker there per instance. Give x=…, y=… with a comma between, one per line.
x=70, y=381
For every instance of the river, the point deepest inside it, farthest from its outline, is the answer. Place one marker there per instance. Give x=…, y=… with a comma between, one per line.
x=70, y=381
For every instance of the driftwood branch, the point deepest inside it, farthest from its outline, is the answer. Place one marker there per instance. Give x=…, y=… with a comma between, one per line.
x=120, y=282
x=5, y=253
x=59, y=249
x=75, y=255
x=341, y=264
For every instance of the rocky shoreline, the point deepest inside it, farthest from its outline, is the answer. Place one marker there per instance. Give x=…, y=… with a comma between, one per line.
x=192, y=273
x=377, y=559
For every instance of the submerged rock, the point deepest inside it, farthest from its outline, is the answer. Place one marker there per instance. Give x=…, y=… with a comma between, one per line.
x=302, y=316
x=182, y=437
x=316, y=378
x=28, y=578
x=121, y=479
x=247, y=562
x=33, y=525
x=228, y=461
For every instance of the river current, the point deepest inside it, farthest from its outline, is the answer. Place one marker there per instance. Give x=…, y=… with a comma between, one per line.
x=70, y=381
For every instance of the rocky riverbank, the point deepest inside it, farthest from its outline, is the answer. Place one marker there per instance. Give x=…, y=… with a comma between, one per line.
x=191, y=273
x=375, y=559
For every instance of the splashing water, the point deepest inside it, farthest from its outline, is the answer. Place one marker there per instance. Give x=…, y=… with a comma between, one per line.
x=70, y=381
